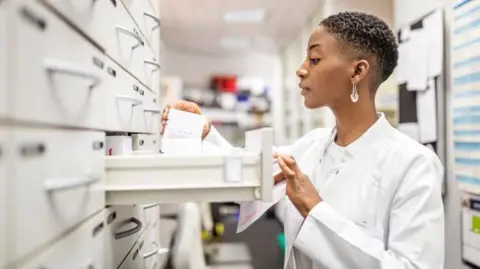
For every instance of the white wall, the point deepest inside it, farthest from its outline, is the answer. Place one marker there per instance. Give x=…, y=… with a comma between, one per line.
x=195, y=69
x=406, y=11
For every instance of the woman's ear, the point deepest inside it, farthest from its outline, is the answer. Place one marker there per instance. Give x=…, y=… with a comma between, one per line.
x=360, y=70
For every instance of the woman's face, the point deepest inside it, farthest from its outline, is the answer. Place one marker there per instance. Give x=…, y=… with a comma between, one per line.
x=325, y=75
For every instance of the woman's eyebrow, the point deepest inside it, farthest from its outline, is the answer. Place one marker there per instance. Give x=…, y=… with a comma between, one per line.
x=311, y=47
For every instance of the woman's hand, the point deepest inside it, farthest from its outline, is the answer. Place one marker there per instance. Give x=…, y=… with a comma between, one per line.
x=184, y=106
x=300, y=189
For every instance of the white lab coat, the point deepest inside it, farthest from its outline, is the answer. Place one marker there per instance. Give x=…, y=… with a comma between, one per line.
x=382, y=210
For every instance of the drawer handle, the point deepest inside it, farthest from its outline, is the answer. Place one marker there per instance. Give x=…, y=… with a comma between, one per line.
x=57, y=185
x=158, y=250
x=73, y=70
x=155, y=64
x=149, y=206
x=132, y=34
x=153, y=18
x=152, y=110
x=134, y=230
x=133, y=100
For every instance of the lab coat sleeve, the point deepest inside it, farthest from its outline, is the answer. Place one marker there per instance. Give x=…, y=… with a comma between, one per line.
x=217, y=139
x=416, y=235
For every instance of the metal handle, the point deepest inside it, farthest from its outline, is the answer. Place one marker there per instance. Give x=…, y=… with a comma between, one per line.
x=134, y=230
x=152, y=110
x=132, y=34
x=157, y=65
x=52, y=65
x=133, y=100
x=158, y=250
x=60, y=185
x=149, y=206
x=157, y=20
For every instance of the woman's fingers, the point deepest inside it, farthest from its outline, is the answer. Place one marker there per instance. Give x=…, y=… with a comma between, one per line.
x=278, y=177
x=286, y=170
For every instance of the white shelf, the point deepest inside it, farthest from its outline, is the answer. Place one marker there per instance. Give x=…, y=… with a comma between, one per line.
x=236, y=117
x=236, y=176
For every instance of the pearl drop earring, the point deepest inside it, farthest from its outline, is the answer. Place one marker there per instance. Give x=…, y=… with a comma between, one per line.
x=354, y=96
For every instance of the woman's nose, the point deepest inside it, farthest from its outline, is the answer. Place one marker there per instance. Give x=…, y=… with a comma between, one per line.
x=302, y=72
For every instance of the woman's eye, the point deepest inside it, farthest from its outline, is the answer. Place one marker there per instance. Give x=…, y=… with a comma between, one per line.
x=314, y=61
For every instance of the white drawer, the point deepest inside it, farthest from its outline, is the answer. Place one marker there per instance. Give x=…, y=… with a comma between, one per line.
x=3, y=62
x=150, y=214
x=146, y=143
x=125, y=103
x=147, y=16
x=58, y=180
x=134, y=259
x=125, y=224
x=151, y=114
x=60, y=80
x=111, y=26
x=151, y=70
x=5, y=147
x=143, y=255
x=83, y=248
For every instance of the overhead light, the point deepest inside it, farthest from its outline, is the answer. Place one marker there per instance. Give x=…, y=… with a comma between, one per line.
x=235, y=42
x=244, y=16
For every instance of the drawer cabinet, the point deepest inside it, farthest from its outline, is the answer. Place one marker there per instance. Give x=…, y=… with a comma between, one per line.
x=142, y=255
x=145, y=143
x=62, y=78
x=125, y=224
x=147, y=16
x=110, y=25
x=151, y=114
x=83, y=248
x=125, y=103
x=57, y=181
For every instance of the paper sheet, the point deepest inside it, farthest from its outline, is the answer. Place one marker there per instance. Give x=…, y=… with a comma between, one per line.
x=427, y=114
x=433, y=26
x=418, y=52
x=251, y=211
x=411, y=129
x=183, y=133
x=405, y=33
x=402, y=70
x=181, y=124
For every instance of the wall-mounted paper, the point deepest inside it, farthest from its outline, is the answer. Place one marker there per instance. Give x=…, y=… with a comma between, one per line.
x=433, y=26
x=427, y=113
x=411, y=129
x=402, y=69
x=417, y=61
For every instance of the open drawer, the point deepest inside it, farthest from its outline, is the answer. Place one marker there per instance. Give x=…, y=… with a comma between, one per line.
x=235, y=176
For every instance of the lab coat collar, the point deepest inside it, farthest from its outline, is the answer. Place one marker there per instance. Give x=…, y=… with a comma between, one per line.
x=379, y=130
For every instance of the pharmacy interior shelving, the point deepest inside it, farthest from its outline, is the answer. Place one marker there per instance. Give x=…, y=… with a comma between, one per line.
x=77, y=73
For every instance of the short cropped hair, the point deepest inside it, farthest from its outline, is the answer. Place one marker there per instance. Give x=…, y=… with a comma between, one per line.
x=366, y=36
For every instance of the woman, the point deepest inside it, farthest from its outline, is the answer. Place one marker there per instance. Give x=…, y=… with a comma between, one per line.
x=361, y=195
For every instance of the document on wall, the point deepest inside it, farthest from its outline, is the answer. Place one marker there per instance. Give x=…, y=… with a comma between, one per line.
x=402, y=71
x=418, y=52
x=251, y=211
x=427, y=113
x=411, y=129
x=183, y=133
x=433, y=26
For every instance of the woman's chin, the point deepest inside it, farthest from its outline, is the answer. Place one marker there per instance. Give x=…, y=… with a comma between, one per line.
x=310, y=104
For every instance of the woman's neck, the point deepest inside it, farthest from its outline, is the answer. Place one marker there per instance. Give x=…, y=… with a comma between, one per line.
x=353, y=122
